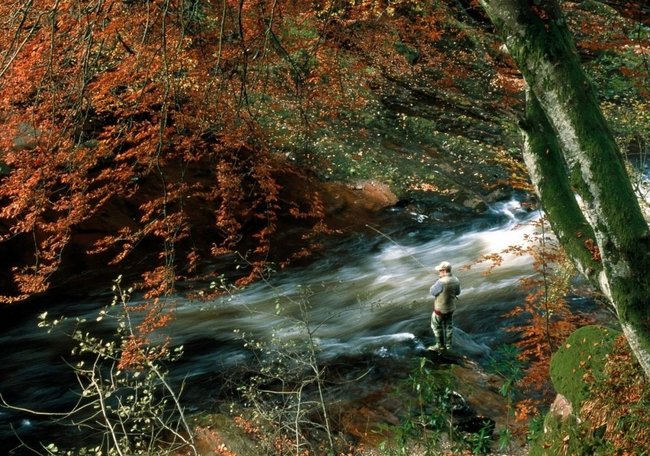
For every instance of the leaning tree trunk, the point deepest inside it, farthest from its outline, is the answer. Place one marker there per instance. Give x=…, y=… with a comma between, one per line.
x=569, y=149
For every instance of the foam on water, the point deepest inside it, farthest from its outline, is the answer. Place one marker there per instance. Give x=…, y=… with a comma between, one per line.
x=368, y=297
x=375, y=295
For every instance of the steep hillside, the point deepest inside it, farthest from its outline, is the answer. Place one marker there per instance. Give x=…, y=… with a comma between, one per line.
x=114, y=147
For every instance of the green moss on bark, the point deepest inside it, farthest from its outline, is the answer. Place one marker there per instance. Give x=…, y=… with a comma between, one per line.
x=548, y=44
x=555, y=189
x=541, y=43
x=632, y=302
x=578, y=183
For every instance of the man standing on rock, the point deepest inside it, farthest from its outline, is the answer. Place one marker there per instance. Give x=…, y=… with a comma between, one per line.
x=444, y=291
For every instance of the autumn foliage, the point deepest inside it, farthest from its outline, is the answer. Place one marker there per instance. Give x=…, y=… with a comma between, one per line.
x=175, y=115
x=139, y=103
x=163, y=132
x=548, y=318
x=544, y=319
x=153, y=133
x=618, y=403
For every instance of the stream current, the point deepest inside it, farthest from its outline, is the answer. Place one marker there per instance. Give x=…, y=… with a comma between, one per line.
x=368, y=297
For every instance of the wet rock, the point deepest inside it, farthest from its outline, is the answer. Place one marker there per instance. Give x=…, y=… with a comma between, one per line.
x=561, y=407
x=475, y=204
x=500, y=194
x=465, y=418
x=481, y=393
x=436, y=206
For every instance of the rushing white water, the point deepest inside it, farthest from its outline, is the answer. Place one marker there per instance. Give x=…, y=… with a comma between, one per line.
x=367, y=296
x=372, y=298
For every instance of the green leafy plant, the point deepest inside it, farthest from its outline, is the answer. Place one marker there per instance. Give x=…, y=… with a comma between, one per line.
x=506, y=363
x=431, y=425
x=126, y=411
x=286, y=389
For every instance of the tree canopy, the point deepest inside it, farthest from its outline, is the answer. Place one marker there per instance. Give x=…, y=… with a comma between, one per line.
x=169, y=128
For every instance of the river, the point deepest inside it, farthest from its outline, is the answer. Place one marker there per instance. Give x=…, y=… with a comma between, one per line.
x=368, y=297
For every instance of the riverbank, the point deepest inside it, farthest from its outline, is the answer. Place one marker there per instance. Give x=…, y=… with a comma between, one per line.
x=415, y=165
x=415, y=405
x=365, y=297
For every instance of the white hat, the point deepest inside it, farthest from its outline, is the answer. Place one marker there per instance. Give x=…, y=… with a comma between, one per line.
x=444, y=266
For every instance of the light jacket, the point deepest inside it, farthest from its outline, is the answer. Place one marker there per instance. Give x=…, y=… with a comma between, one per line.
x=445, y=291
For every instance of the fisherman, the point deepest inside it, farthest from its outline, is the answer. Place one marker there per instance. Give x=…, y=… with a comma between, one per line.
x=444, y=291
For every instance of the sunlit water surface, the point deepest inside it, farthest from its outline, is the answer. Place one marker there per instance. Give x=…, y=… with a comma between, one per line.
x=367, y=296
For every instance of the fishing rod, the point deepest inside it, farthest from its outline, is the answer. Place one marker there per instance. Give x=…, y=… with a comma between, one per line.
x=401, y=247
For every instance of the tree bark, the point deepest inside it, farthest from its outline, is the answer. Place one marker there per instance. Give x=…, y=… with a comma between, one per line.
x=569, y=146
x=546, y=166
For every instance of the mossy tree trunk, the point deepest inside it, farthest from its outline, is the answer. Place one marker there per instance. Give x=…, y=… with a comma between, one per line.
x=569, y=149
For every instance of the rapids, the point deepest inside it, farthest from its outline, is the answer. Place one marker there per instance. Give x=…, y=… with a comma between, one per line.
x=365, y=296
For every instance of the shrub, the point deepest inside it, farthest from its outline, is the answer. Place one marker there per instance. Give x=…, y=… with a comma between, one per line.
x=125, y=411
